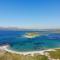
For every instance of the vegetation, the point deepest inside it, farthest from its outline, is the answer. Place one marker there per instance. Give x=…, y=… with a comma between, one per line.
x=12, y=56
x=54, y=54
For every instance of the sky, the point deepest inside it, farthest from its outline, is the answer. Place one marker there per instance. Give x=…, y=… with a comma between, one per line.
x=39, y=14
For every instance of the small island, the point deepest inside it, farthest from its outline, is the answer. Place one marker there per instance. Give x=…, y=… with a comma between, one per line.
x=31, y=35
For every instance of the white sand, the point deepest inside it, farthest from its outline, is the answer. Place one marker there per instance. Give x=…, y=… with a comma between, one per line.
x=24, y=53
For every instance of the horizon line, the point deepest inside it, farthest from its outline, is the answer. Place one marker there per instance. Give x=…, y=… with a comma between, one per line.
x=17, y=27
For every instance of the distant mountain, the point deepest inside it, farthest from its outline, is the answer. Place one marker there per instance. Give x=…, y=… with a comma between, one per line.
x=26, y=29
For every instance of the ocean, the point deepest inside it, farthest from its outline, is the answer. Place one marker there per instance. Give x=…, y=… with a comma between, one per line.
x=18, y=42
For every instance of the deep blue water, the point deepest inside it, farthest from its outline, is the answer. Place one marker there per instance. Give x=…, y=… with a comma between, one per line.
x=18, y=42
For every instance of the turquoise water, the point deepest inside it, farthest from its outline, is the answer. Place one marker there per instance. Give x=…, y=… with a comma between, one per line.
x=18, y=42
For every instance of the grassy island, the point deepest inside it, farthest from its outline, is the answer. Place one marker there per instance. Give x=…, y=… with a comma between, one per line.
x=31, y=35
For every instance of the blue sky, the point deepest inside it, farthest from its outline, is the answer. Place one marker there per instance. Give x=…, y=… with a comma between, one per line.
x=30, y=13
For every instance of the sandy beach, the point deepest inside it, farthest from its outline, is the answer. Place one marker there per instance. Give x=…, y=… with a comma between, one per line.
x=24, y=53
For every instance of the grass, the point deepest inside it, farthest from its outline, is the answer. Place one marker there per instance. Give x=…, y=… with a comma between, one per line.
x=11, y=56
x=55, y=54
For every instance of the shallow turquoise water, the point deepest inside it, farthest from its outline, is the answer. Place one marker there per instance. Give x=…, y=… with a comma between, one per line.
x=18, y=42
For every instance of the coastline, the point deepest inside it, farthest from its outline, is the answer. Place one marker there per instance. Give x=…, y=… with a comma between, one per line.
x=26, y=53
